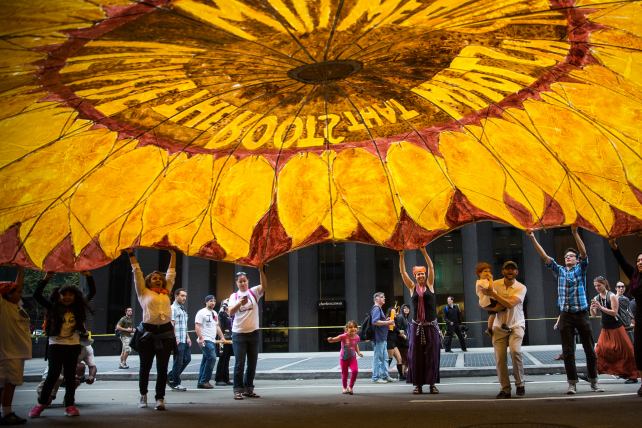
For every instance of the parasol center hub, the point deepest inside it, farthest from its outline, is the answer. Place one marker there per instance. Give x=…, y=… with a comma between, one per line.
x=326, y=71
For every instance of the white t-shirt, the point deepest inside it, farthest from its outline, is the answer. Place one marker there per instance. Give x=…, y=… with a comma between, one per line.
x=513, y=317
x=16, y=336
x=209, y=321
x=246, y=319
x=68, y=333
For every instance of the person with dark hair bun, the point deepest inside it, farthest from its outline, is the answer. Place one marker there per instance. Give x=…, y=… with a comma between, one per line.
x=634, y=273
x=614, y=349
x=64, y=325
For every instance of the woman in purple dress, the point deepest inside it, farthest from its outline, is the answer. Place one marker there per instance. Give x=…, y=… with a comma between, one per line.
x=424, y=337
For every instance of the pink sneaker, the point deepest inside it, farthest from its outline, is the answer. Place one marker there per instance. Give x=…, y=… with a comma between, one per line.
x=72, y=411
x=36, y=410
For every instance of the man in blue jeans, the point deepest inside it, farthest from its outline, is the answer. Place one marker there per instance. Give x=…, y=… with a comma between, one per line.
x=207, y=327
x=380, y=325
x=183, y=355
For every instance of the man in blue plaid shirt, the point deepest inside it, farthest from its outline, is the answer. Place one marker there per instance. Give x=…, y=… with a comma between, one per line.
x=574, y=309
x=183, y=355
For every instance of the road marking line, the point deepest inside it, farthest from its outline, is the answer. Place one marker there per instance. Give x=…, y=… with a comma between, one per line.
x=495, y=400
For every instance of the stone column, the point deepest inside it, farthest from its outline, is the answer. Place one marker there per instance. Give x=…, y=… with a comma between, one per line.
x=303, y=292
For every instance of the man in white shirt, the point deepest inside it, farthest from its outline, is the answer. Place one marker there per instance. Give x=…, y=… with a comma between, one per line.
x=509, y=327
x=207, y=327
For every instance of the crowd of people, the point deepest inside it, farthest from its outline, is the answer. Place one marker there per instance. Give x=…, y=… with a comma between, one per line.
x=410, y=334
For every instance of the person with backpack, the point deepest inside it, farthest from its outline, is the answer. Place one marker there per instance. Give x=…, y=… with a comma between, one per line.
x=244, y=306
x=424, y=335
x=614, y=349
x=380, y=323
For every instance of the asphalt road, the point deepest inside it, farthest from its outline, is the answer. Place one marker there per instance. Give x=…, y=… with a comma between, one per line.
x=463, y=402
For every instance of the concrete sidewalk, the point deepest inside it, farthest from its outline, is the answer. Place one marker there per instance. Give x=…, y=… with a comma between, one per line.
x=325, y=365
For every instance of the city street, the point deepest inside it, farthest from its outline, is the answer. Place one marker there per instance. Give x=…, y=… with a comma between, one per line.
x=463, y=402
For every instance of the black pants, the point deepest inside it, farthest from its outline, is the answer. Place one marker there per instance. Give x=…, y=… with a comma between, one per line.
x=569, y=322
x=450, y=330
x=62, y=358
x=223, y=366
x=159, y=348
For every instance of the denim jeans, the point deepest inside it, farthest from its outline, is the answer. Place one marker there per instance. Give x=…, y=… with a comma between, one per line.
x=182, y=358
x=379, y=368
x=207, y=363
x=246, y=347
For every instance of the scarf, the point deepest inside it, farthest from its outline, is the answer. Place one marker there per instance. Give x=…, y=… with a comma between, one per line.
x=159, y=290
x=421, y=310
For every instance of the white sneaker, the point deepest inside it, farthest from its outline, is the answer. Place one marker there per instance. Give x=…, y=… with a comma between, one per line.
x=381, y=381
x=391, y=379
x=142, y=403
x=160, y=404
x=572, y=389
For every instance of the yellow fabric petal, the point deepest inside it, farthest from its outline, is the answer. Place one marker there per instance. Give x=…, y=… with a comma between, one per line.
x=590, y=159
x=123, y=232
x=42, y=234
x=49, y=174
x=622, y=15
x=476, y=172
x=20, y=136
x=179, y=203
x=303, y=195
x=112, y=191
x=243, y=197
x=620, y=52
x=362, y=182
x=420, y=180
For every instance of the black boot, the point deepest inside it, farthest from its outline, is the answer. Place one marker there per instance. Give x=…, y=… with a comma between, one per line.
x=400, y=370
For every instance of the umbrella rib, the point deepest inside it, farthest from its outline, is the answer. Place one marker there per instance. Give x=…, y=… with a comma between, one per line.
x=355, y=41
x=326, y=142
x=374, y=143
x=231, y=152
x=91, y=123
x=174, y=12
x=303, y=103
x=335, y=21
x=99, y=165
x=287, y=28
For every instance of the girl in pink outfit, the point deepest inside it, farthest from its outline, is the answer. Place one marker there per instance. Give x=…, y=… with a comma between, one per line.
x=348, y=354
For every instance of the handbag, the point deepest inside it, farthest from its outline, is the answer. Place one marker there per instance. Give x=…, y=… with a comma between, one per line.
x=139, y=337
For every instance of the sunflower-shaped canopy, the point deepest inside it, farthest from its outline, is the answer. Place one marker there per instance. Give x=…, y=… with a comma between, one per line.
x=240, y=130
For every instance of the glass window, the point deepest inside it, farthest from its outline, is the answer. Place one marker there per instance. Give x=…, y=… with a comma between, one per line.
x=449, y=279
x=331, y=271
x=507, y=245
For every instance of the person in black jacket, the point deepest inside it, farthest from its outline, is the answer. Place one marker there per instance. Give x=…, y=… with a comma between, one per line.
x=635, y=289
x=452, y=317
x=222, y=376
x=64, y=325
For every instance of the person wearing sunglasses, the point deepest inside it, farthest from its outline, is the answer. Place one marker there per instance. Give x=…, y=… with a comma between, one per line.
x=244, y=307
